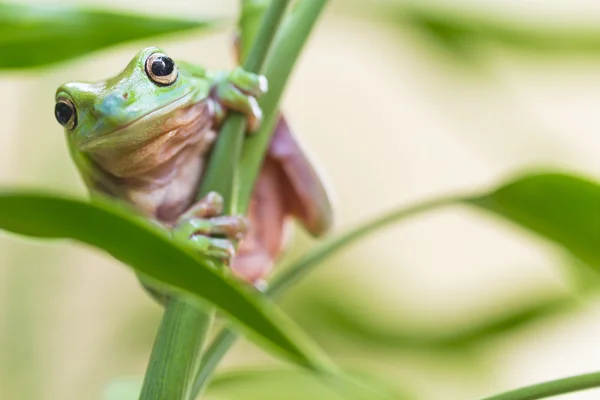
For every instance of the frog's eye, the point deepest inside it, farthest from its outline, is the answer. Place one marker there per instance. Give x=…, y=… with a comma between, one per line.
x=65, y=113
x=161, y=69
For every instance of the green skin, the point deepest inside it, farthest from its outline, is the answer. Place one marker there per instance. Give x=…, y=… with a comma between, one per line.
x=144, y=141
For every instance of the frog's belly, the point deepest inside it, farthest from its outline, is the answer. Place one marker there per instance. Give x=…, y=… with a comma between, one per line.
x=160, y=175
x=166, y=196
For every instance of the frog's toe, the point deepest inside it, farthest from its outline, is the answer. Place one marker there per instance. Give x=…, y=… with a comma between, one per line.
x=210, y=205
x=251, y=84
x=232, y=227
x=232, y=98
x=222, y=249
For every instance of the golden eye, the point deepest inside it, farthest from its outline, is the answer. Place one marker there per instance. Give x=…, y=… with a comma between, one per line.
x=161, y=69
x=65, y=114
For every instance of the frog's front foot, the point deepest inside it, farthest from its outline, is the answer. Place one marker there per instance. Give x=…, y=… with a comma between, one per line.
x=207, y=231
x=238, y=91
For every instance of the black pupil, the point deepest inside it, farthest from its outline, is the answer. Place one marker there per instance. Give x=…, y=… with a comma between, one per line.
x=63, y=113
x=162, y=66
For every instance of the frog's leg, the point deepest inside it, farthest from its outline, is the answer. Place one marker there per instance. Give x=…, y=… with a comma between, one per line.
x=204, y=228
x=288, y=185
x=238, y=90
x=308, y=198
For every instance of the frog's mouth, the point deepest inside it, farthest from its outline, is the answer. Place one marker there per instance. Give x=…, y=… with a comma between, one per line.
x=137, y=131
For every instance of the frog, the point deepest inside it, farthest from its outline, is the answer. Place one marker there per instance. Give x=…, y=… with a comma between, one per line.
x=143, y=137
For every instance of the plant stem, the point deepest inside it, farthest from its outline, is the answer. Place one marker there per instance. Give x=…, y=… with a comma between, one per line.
x=285, y=52
x=551, y=388
x=302, y=266
x=288, y=46
x=221, y=172
x=184, y=327
x=252, y=12
x=164, y=378
x=226, y=337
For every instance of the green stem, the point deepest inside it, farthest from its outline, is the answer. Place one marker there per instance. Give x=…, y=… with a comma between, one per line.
x=221, y=172
x=284, y=53
x=288, y=46
x=173, y=360
x=184, y=327
x=301, y=267
x=251, y=16
x=552, y=388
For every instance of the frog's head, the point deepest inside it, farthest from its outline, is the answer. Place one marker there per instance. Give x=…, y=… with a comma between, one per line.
x=127, y=107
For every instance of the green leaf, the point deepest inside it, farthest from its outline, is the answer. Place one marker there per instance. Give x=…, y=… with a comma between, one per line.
x=562, y=208
x=275, y=384
x=36, y=35
x=331, y=314
x=149, y=250
x=466, y=33
x=269, y=385
x=473, y=29
x=552, y=388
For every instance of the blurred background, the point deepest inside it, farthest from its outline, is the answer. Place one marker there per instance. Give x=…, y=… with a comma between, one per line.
x=400, y=102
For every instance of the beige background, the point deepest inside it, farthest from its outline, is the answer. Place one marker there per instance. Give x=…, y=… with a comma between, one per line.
x=392, y=120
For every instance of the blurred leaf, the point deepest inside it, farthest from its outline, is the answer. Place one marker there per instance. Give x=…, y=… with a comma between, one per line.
x=560, y=207
x=466, y=32
x=269, y=385
x=149, y=250
x=319, y=312
x=276, y=384
x=35, y=35
x=123, y=389
x=552, y=388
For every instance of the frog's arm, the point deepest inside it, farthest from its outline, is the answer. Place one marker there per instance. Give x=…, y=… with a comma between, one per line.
x=236, y=90
x=309, y=200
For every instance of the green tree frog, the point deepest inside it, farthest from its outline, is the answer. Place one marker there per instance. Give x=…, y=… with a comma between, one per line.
x=143, y=137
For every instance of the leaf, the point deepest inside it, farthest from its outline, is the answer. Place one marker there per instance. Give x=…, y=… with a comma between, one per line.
x=333, y=316
x=36, y=35
x=275, y=384
x=552, y=388
x=471, y=28
x=149, y=250
x=123, y=389
x=269, y=385
x=465, y=33
x=563, y=208
x=560, y=207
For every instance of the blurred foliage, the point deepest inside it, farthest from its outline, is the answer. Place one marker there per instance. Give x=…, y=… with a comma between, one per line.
x=37, y=35
x=551, y=388
x=560, y=207
x=276, y=384
x=465, y=33
x=260, y=383
x=332, y=317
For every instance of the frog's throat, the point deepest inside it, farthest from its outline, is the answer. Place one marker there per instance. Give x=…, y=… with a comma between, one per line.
x=164, y=145
x=93, y=143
